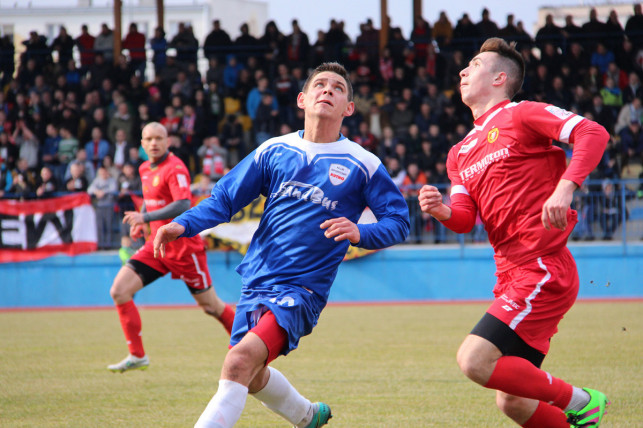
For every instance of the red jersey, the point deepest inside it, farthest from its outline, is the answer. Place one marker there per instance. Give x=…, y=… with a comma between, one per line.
x=163, y=184
x=509, y=167
x=135, y=42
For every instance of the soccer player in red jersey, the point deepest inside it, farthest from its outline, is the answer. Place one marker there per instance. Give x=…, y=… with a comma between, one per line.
x=166, y=194
x=507, y=170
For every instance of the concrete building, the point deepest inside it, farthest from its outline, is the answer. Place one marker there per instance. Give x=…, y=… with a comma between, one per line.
x=581, y=13
x=21, y=19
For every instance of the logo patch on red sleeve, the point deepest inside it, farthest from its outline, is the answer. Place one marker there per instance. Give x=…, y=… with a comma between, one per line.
x=182, y=180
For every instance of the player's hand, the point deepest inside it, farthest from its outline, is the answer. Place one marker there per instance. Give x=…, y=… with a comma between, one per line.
x=137, y=231
x=430, y=200
x=341, y=229
x=555, y=208
x=133, y=218
x=165, y=235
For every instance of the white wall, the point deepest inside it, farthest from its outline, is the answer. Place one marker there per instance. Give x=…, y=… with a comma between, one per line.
x=19, y=21
x=581, y=14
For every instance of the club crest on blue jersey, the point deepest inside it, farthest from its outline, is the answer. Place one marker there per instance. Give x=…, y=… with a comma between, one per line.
x=338, y=173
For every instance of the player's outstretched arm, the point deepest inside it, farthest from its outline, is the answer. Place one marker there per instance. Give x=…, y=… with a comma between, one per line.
x=165, y=235
x=430, y=200
x=341, y=228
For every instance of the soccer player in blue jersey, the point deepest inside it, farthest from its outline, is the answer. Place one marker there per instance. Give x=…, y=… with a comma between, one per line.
x=317, y=183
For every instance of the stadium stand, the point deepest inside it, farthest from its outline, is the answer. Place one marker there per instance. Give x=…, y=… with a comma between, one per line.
x=63, y=120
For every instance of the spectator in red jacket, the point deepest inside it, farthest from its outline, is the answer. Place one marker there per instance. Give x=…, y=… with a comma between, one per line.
x=85, y=43
x=135, y=42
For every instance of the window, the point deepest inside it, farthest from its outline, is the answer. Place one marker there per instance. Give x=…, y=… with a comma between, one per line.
x=7, y=30
x=174, y=28
x=52, y=31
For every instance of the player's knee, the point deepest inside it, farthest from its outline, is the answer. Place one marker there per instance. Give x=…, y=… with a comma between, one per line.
x=212, y=306
x=470, y=366
x=210, y=310
x=115, y=293
x=510, y=405
x=119, y=293
x=239, y=364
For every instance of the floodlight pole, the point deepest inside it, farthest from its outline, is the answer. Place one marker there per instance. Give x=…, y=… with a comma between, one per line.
x=417, y=9
x=160, y=14
x=118, y=6
x=384, y=19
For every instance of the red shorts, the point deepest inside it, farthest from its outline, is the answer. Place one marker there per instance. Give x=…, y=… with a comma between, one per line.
x=271, y=334
x=532, y=298
x=192, y=268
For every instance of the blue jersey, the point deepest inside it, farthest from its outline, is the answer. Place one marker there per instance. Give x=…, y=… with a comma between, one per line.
x=304, y=183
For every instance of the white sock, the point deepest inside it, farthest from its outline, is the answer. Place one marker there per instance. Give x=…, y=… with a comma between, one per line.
x=225, y=407
x=580, y=398
x=282, y=398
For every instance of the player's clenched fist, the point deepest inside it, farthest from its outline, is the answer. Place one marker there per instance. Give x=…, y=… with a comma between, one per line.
x=165, y=235
x=430, y=200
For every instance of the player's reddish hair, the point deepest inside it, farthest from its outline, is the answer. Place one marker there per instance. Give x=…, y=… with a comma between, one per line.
x=333, y=67
x=512, y=62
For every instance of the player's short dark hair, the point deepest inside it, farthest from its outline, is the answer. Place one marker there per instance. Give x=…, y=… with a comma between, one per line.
x=512, y=62
x=333, y=67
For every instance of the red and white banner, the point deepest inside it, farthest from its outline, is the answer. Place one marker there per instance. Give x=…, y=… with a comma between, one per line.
x=32, y=230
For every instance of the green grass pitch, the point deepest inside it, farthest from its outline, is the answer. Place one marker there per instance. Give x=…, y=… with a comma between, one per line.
x=377, y=366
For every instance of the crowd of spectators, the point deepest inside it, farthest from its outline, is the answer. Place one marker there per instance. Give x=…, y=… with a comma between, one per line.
x=71, y=114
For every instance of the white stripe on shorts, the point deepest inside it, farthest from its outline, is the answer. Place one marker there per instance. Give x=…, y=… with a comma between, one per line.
x=199, y=271
x=521, y=316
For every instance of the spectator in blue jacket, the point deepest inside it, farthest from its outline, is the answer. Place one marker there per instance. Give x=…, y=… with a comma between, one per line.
x=97, y=148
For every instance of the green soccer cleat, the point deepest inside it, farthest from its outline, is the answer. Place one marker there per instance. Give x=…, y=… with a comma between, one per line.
x=321, y=415
x=591, y=415
x=130, y=362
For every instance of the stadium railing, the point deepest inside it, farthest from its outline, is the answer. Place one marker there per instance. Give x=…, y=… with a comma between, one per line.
x=608, y=211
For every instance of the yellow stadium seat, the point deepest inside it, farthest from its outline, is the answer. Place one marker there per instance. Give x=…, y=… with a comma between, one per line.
x=231, y=105
x=379, y=98
x=246, y=122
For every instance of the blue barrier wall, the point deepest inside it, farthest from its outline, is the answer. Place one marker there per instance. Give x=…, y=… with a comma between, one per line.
x=405, y=273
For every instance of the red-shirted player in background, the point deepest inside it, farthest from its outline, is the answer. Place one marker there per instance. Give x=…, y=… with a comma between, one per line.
x=507, y=170
x=166, y=194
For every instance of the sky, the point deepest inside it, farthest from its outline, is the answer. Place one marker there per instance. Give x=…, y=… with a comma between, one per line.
x=314, y=15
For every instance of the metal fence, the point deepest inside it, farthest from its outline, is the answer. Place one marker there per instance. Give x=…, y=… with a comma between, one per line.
x=608, y=210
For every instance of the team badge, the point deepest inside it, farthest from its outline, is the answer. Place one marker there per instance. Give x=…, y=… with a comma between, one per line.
x=338, y=173
x=492, y=136
x=156, y=180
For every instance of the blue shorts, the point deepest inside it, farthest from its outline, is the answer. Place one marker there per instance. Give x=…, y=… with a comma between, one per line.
x=296, y=311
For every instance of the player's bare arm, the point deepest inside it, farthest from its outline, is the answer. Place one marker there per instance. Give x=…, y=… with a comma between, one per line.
x=430, y=200
x=165, y=235
x=555, y=208
x=341, y=229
